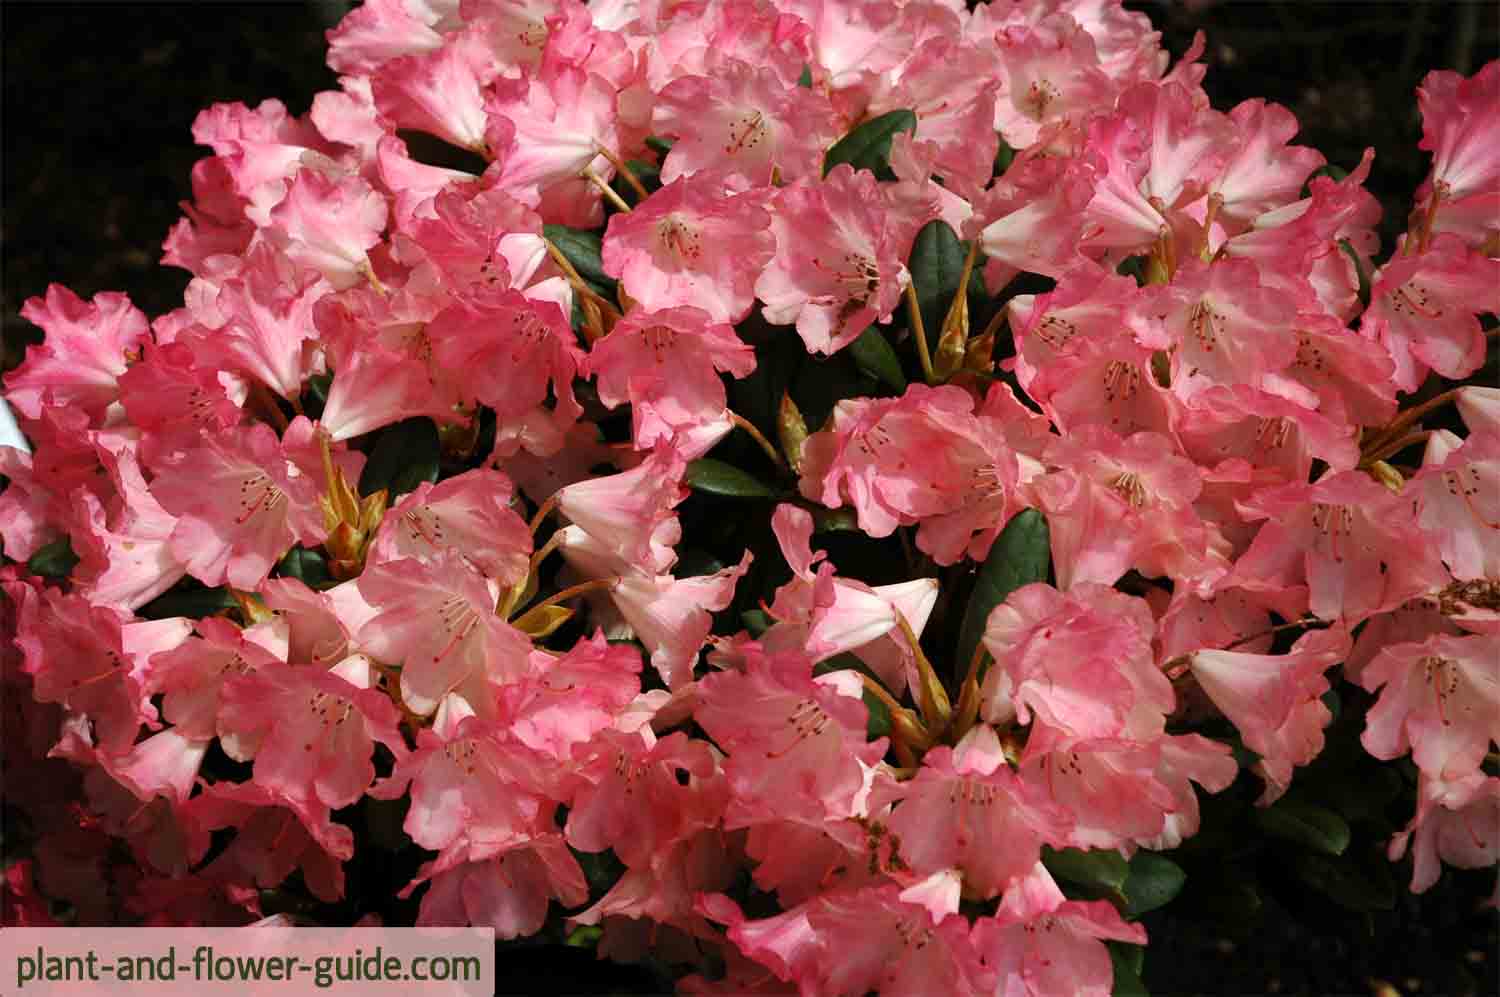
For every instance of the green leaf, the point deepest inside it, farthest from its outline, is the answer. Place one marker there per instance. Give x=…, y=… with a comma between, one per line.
x=406, y=455
x=1020, y=556
x=1307, y=825
x=1099, y=869
x=582, y=249
x=879, y=724
x=1004, y=156
x=873, y=355
x=1345, y=883
x=937, y=262
x=307, y=566
x=195, y=602
x=868, y=147
x=805, y=80
x=1153, y=882
x=1127, y=961
x=718, y=478
x=756, y=621
x=53, y=560
x=660, y=146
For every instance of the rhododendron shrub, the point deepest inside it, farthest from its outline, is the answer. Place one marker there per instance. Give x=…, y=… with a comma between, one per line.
x=836, y=496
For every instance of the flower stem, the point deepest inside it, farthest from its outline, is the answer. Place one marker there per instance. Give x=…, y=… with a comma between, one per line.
x=914, y=312
x=606, y=190
x=759, y=438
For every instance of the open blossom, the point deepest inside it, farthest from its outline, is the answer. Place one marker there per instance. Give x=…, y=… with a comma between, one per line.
x=240, y=505
x=839, y=258
x=310, y=731
x=469, y=513
x=745, y=121
x=437, y=619
x=691, y=243
x=85, y=351
x=1440, y=698
x=1275, y=701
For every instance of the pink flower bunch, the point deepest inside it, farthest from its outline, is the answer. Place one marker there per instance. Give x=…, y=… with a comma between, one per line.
x=1215, y=408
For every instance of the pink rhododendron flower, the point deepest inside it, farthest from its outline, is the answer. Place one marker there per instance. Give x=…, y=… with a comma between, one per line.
x=1440, y=698
x=240, y=505
x=311, y=732
x=276, y=835
x=839, y=258
x=745, y=121
x=1040, y=943
x=1274, y=700
x=469, y=513
x=83, y=355
x=437, y=619
x=691, y=243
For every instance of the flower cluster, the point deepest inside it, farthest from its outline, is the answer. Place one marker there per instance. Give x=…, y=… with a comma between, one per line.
x=288, y=550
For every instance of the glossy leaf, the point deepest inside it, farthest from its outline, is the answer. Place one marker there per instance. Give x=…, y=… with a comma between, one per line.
x=1305, y=824
x=873, y=355
x=53, y=560
x=583, y=249
x=718, y=478
x=868, y=147
x=1020, y=556
x=1345, y=883
x=406, y=455
x=936, y=264
x=1152, y=882
x=1097, y=869
x=1127, y=961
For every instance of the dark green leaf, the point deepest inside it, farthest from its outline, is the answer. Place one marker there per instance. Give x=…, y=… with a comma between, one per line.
x=53, y=560
x=1019, y=557
x=880, y=716
x=1133, y=267
x=649, y=174
x=937, y=261
x=307, y=566
x=805, y=80
x=1098, y=869
x=756, y=621
x=1004, y=156
x=1345, y=883
x=1153, y=881
x=868, y=147
x=582, y=249
x=662, y=146
x=718, y=478
x=1127, y=961
x=1310, y=826
x=193, y=601
x=406, y=455
x=873, y=355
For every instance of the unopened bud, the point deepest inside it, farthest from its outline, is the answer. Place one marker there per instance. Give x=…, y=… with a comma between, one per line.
x=791, y=430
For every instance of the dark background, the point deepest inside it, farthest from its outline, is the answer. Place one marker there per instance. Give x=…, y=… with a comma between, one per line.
x=98, y=101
